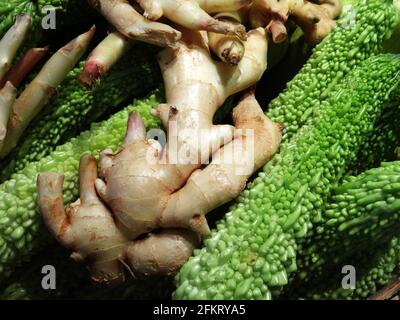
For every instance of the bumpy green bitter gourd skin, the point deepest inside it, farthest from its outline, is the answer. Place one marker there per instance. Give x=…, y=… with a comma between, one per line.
x=374, y=274
x=381, y=144
x=299, y=104
x=21, y=230
x=363, y=213
x=252, y=251
x=374, y=269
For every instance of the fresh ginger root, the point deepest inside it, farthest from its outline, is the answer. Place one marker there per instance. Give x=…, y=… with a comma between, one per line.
x=42, y=88
x=133, y=25
x=196, y=86
x=162, y=253
x=154, y=199
x=7, y=98
x=86, y=226
x=215, y=6
x=316, y=19
x=256, y=140
x=189, y=14
x=11, y=42
x=229, y=49
x=22, y=68
x=104, y=56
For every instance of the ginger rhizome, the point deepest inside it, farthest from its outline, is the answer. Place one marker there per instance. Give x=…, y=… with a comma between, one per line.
x=21, y=69
x=228, y=48
x=12, y=41
x=104, y=56
x=189, y=14
x=42, y=88
x=161, y=253
x=86, y=226
x=256, y=140
x=316, y=18
x=7, y=98
x=151, y=199
x=196, y=86
x=224, y=20
x=133, y=25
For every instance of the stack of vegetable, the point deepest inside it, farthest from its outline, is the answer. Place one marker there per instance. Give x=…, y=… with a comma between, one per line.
x=137, y=197
x=360, y=227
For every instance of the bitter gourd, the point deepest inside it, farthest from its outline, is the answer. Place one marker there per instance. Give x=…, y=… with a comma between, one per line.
x=253, y=250
x=374, y=269
x=380, y=146
x=364, y=213
x=302, y=102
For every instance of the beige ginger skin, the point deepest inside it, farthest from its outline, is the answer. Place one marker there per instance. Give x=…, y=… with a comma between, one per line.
x=214, y=6
x=221, y=181
x=228, y=48
x=11, y=42
x=86, y=226
x=316, y=19
x=148, y=214
x=104, y=56
x=222, y=19
x=42, y=88
x=7, y=98
x=190, y=14
x=133, y=25
x=196, y=86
